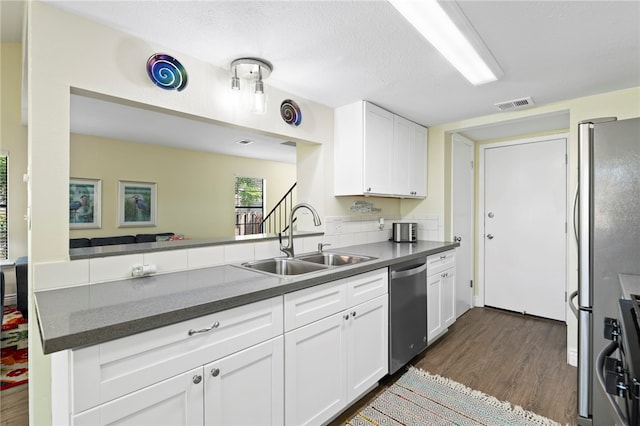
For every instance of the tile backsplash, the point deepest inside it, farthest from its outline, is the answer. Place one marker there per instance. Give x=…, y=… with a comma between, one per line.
x=340, y=231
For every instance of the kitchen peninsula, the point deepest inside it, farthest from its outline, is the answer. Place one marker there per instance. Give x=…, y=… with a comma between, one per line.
x=123, y=343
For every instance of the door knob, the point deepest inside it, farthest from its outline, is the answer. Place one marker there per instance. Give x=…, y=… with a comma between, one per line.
x=490, y=236
x=490, y=215
x=457, y=239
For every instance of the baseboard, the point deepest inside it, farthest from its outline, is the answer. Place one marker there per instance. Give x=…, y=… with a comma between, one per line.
x=572, y=357
x=478, y=301
x=10, y=299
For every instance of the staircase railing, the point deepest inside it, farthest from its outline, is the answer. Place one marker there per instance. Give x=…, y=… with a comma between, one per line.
x=276, y=220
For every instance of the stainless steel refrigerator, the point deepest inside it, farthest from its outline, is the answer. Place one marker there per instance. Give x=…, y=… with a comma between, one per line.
x=608, y=234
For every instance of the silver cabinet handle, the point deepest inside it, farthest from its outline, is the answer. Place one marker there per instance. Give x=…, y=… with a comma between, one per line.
x=346, y=317
x=490, y=236
x=353, y=314
x=204, y=330
x=215, y=372
x=197, y=379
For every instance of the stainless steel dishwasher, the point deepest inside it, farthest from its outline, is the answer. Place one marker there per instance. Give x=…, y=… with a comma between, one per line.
x=407, y=311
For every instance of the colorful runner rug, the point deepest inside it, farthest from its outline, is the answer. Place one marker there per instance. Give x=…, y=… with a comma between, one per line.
x=14, y=349
x=420, y=398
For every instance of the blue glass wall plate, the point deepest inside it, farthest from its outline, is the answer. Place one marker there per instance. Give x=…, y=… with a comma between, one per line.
x=166, y=72
x=290, y=112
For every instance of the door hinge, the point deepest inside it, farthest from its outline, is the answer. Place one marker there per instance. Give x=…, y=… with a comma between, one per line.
x=565, y=297
x=566, y=159
x=472, y=164
x=471, y=283
x=566, y=227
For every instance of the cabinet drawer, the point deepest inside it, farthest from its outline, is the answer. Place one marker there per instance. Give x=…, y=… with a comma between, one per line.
x=311, y=304
x=103, y=372
x=370, y=285
x=439, y=262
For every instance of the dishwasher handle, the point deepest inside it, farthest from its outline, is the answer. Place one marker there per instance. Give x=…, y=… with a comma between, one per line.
x=408, y=272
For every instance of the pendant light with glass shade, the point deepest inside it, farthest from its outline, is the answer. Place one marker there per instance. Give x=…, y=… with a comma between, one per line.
x=254, y=71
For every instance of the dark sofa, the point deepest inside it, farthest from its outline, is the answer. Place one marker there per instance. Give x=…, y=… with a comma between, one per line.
x=120, y=239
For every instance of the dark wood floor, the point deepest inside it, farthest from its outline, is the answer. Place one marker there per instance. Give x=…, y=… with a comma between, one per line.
x=513, y=357
x=14, y=406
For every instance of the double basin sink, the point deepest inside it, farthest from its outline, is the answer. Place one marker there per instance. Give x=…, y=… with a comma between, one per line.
x=304, y=263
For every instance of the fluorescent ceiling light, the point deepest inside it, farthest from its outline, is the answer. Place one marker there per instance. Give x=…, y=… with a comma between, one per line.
x=465, y=51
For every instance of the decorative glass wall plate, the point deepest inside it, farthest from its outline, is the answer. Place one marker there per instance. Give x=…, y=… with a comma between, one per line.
x=290, y=112
x=166, y=72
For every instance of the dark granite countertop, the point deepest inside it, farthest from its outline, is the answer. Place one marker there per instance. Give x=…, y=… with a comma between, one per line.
x=86, y=315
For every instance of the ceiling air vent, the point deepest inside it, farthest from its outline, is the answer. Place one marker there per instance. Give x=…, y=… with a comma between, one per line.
x=289, y=143
x=514, y=104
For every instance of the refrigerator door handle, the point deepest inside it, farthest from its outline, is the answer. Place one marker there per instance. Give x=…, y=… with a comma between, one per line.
x=575, y=214
x=584, y=364
x=572, y=306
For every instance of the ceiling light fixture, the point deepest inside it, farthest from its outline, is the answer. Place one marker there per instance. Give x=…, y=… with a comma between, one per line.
x=255, y=71
x=453, y=36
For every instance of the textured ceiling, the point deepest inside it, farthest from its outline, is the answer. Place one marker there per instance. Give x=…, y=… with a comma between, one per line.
x=336, y=52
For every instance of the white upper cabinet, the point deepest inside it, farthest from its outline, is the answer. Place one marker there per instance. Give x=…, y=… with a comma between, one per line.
x=378, y=153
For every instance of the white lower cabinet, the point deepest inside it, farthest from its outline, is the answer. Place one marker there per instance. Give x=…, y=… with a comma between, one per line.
x=334, y=360
x=315, y=376
x=175, y=401
x=300, y=362
x=246, y=388
x=166, y=375
x=441, y=300
x=368, y=346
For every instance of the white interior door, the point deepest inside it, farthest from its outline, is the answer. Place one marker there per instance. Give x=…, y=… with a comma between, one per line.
x=462, y=202
x=525, y=227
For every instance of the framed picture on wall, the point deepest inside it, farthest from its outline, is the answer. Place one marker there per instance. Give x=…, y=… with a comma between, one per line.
x=137, y=203
x=85, y=206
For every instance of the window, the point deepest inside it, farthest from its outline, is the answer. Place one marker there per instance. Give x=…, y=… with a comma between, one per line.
x=4, y=241
x=249, y=205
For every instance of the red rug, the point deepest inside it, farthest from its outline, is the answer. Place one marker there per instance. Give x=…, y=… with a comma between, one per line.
x=14, y=349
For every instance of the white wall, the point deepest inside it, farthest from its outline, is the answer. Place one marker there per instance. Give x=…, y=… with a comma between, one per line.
x=622, y=104
x=65, y=51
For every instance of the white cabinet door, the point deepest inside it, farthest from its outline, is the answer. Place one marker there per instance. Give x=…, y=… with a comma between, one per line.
x=378, y=150
x=368, y=347
x=417, y=164
x=435, y=324
x=176, y=401
x=246, y=388
x=449, y=297
x=315, y=376
x=402, y=130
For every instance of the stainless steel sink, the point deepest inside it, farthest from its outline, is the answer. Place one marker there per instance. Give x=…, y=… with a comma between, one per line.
x=334, y=259
x=282, y=266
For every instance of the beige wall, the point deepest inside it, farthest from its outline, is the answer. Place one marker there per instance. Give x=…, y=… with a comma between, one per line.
x=195, y=189
x=13, y=140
